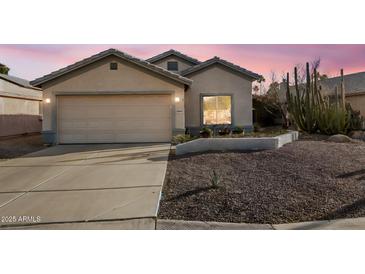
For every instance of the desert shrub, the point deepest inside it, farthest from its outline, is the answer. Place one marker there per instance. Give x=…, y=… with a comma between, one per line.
x=206, y=132
x=264, y=112
x=356, y=120
x=224, y=131
x=237, y=130
x=215, y=179
x=182, y=138
x=257, y=127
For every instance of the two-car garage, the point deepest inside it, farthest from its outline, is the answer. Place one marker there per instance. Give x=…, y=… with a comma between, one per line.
x=114, y=118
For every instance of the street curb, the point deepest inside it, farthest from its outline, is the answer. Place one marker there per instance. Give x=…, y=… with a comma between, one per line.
x=337, y=224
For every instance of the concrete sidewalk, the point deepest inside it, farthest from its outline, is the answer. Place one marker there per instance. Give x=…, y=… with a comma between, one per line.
x=84, y=187
x=340, y=224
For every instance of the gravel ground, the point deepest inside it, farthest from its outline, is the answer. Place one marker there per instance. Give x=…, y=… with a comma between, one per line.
x=19, y=146
x=302, y=181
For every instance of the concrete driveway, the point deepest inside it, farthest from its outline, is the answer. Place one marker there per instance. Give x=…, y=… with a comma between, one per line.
x=114, y=186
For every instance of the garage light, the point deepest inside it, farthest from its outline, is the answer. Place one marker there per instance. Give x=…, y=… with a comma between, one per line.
x=177, y=99
x=47, y=100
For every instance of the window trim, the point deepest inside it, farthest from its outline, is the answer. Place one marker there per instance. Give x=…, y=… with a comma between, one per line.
x=177, y=65
x=202, y=95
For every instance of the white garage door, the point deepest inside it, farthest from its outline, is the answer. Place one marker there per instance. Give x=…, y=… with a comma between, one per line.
x=114, y=118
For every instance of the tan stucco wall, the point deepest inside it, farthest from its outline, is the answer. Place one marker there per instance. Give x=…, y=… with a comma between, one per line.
x=13, y=90
x=98, y=78
x=357, y=103
x=18, y=100
x=18, y=106
x=218, y=80
x=182, y=64
x=19, y=109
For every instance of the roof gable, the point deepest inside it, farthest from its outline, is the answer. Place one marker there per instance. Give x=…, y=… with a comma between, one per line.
x=217, y=60
x=106, y=53
x=176, y=53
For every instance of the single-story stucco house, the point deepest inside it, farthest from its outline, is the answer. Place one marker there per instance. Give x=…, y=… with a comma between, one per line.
x=112, y=97
x=354, y=89
x=20, y=107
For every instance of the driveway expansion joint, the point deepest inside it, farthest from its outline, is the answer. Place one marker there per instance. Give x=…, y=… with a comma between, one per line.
x=126, y=190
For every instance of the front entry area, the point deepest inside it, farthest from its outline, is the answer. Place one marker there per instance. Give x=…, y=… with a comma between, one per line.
x=114, y=118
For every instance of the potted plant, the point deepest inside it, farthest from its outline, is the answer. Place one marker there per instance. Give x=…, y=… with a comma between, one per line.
x=206, y=132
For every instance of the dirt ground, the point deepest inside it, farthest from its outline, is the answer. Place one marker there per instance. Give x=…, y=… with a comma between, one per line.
x=19, y=146
x=306, y=180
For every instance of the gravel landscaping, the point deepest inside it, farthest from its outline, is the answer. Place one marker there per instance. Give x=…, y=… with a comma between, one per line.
x=20, y=145
x=306, y=180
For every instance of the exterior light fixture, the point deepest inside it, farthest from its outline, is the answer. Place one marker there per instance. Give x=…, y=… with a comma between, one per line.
x=47, y=100
x=177, y=99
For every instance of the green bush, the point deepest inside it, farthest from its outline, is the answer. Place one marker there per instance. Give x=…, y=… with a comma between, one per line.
x=181, y=138
x=224, y=131
x=206, y=132
x=333, y=120
x=356, y=120
x=215, y=179
x=237, y=130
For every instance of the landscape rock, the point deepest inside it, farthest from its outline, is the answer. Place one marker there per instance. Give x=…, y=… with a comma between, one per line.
x=302, y=181
x=357, y=134
x=339, y=138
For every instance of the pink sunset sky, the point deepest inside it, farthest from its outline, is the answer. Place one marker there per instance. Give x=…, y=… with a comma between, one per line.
x=32, y=61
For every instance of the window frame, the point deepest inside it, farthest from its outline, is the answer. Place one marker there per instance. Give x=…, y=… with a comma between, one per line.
x=202, y=95
x=175, y=62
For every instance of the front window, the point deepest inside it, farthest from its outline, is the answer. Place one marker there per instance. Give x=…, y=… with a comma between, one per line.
x=172, y=66
x=217, y=110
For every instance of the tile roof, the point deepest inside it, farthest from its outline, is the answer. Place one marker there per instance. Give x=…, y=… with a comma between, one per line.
x=354, y=84
x=17, y=81
x=217, y=60
x=176, y=53
x=106, y=53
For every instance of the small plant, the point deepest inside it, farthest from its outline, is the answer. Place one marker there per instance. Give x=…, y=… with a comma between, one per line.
x=356, y=120
x=206, y=132
x=181, y=138
x=224, y=131
x=257, y=127
x=237, y=130
x=215, y=179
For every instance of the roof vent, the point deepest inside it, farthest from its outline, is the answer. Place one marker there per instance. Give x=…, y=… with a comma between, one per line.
x=113, y=66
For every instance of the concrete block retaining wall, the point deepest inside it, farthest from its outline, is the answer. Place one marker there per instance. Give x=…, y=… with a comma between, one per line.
x=222, y=144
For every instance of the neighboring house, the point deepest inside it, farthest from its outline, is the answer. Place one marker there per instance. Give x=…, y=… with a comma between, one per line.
x=114, y=97
x=20, y=105
x=354, y=89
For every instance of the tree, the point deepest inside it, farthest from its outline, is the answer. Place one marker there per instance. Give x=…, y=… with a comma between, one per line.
x=273, y=103
x=4, y=69
x=314, y=66
x=256, y=89
x=273, y=98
